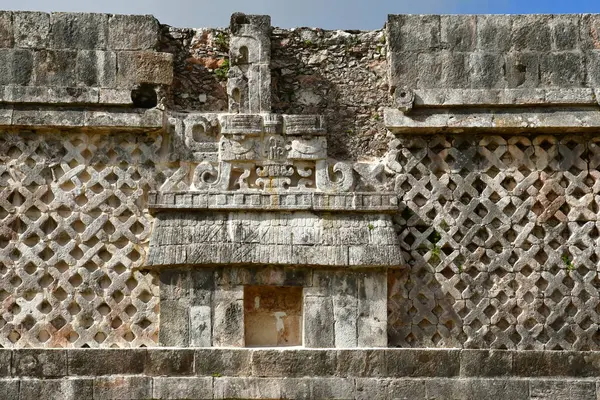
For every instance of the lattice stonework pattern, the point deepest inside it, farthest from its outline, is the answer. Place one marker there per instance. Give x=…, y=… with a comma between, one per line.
x=502, y=234
x=73, y=228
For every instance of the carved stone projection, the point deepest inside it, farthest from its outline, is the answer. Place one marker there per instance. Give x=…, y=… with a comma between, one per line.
x=268, y=197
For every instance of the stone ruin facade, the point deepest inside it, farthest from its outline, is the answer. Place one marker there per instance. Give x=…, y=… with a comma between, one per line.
x=255, y=212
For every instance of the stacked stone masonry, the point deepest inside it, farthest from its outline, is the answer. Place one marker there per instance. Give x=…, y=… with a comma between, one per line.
x=297, y=374
x=434, y=184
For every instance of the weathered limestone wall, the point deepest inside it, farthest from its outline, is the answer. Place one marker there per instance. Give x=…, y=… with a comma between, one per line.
x=498, y=220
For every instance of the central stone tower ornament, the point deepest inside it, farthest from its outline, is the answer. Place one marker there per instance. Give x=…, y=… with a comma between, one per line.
x=271, y=196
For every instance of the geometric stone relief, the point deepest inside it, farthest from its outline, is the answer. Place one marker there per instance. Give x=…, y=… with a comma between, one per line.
x=74, y=228
x=501, y=233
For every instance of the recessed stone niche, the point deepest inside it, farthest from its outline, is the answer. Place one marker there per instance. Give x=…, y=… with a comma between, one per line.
x=273, y=306
x=272, y=316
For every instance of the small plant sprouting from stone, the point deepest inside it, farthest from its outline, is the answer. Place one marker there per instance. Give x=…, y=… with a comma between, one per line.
x=216, y=375
x=568, y=262
x=434, y=237
x=309, y=43
x=435, y=252
x=223, y=71
x=444, y=225
x=460, y=268
x=376, y=117
x=221, y=42
x=371, y=227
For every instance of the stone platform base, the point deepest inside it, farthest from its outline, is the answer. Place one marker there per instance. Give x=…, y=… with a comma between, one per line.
x=297, y=374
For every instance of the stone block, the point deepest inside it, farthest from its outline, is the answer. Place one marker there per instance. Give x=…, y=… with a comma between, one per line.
x=564, y=69
x=10, y=389
x=562, y=390
x=293, y=363
x=169, y=362
x=133, y=32
x=361, y=363
x=498, y=388
x=228, y=317
x=53, y=95
x=122, y=387
x=48, y=117
x=56, y=389
x=406, y=389
x=488, y=363
x=115, y=96
x=152, y=118
x=429, y=69
x=422, y=363
x=589, y=26
x=316, y=388
x=494, y=32
x=84, y=31
x=174, y=323
x=472, y=389
x=318, y=322
x=403, y=71
x=458, y=32
x=96, y=68
x=6, y=29
x=6, y=114
x=454, y=73
x=556, y=363
x=55, y=68
x=593, y=68
x=175, y=284
x=374, y=389
x=16, y=66
x=200, y=318
x=486, y=70
x=564, y=30
x=135, y=67
x=531, y=32
x=203, y=283
x=523, y=70
x=247, y=388
x=183, y=388
x=223, y=362
x=5, y=362
x=92, y=362
x=31, y=29
x=413, y=32
x=372, y=309
x=345, y=314
x=40, y=363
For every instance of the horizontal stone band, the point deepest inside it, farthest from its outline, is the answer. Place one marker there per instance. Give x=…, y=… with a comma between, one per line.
x=361, y=202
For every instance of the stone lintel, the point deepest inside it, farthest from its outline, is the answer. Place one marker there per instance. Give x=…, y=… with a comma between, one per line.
x=291, y=201
x=517, y=120
x=67, y=117
x=506, y=97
